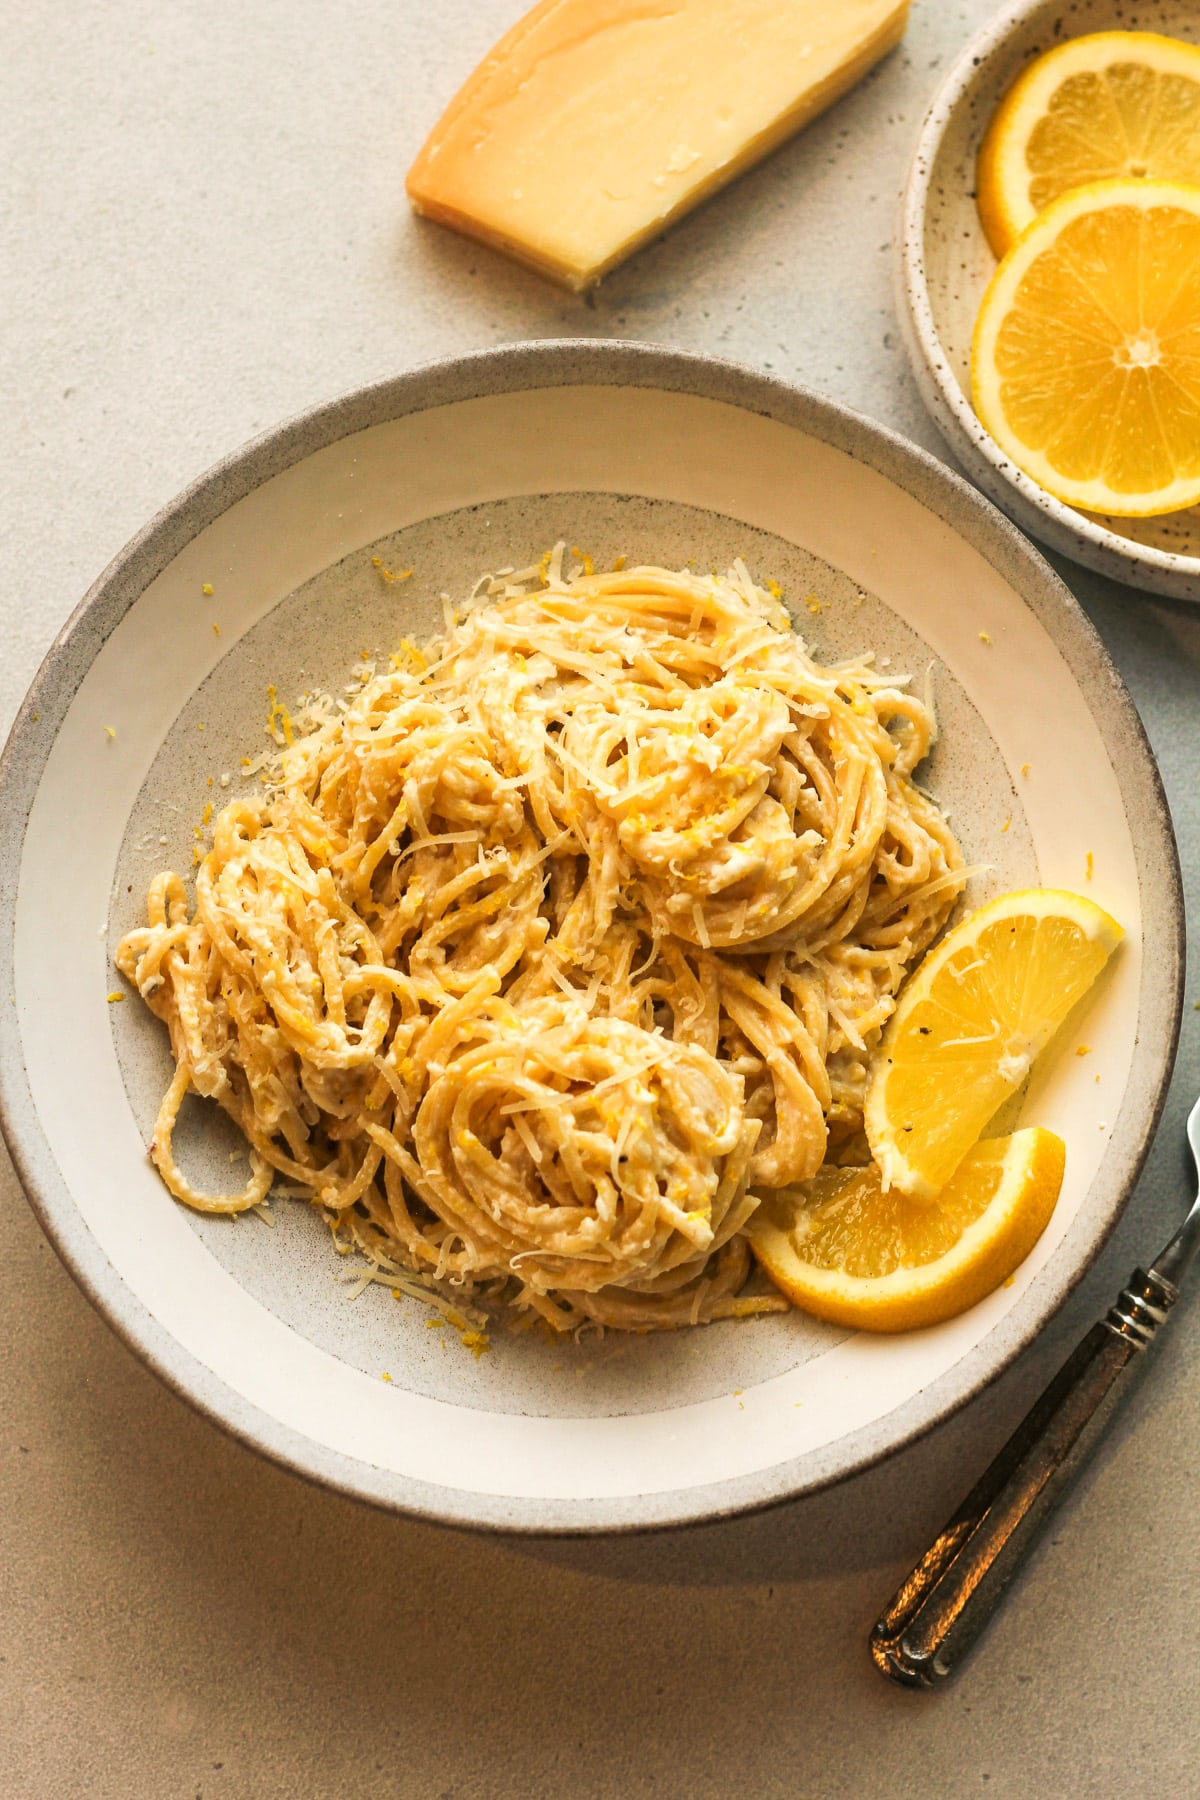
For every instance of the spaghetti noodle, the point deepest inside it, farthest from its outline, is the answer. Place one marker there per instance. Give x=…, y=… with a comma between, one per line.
x=549, y=947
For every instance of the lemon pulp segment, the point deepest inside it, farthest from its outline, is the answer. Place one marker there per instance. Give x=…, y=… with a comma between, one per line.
x=1085, y=364
x=969, y=1024
x=1110, y=104
x=844, y=1249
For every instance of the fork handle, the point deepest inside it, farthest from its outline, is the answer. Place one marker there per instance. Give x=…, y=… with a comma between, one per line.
x=938, y=1612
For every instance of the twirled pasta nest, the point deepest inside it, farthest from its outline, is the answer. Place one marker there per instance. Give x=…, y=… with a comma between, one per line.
x=545, y=952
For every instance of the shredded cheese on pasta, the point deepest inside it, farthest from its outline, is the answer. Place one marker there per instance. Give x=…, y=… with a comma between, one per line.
x=555, y=943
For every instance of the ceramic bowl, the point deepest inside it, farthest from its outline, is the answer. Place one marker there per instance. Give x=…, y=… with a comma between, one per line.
x=141, y=716
x=946, y=263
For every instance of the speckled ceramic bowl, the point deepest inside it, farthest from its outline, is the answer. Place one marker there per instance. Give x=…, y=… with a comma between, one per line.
x=447, y=471
x=945, y=265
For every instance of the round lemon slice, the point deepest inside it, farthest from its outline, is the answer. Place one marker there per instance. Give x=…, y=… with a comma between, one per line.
x=1112, y=104
x=841, y=1248
x=969, y=1023
x=1085, y=365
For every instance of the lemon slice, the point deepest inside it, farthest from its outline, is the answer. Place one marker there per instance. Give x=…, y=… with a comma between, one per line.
x=841, y=1248
x=1085, y=366
x=1115, y=103
x=969, y=1023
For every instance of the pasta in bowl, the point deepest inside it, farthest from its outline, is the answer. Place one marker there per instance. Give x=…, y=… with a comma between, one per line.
x=285, y=566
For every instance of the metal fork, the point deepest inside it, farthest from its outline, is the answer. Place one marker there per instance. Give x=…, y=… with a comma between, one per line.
x=938, y=1612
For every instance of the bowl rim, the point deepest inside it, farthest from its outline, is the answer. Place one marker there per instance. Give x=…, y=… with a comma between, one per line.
x=1063, y=526
x=513, y=368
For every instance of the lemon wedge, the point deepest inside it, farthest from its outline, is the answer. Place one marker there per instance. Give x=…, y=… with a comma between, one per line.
x=1085, y=365
x=841, y=1248
x=969, y=1023
x=1112, y=104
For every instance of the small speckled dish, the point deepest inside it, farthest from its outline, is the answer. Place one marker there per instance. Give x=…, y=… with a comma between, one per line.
x=945, y=265
x=452, y=469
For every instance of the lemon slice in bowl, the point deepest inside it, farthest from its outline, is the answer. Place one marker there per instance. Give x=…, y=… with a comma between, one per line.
x=844, y=1250
x=1085, y=364
x=969, y=1023
x=1108, y=105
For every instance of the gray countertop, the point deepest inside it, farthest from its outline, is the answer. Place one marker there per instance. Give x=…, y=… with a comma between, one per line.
x=203, y=230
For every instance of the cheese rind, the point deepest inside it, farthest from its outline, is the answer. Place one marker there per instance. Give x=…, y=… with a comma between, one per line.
x=594, y=123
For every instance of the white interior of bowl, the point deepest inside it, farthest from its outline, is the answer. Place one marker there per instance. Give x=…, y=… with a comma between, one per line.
x=296, y=600
x=947, y=263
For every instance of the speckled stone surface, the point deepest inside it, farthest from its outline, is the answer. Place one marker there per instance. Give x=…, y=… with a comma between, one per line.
x=202, y=231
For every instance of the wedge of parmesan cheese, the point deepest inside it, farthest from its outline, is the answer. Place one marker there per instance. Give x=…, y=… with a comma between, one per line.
x=594, y=123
